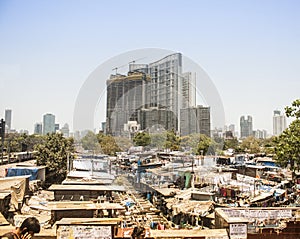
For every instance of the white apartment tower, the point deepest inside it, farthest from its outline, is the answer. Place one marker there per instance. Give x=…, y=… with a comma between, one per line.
x=65, y=130
x=279, y=123
x=8, y=116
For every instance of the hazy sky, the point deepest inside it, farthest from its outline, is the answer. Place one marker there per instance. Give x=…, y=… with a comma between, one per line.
x=250, y=49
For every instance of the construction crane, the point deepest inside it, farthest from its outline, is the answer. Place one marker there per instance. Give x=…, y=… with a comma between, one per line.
x=118, y=67
x=131, y=62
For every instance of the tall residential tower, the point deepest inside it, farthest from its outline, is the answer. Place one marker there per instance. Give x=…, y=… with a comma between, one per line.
x=246, y=126
x=8, y=116
x=279, y=123
x=38, y=128
x=48, y=124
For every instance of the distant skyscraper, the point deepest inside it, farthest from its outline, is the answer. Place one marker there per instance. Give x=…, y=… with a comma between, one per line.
x=65, y=130
x=246, y=126
x=279, y=123
x=38, y=128
x=195, y=120
x=232, y=129
x=260, y=134
x=103, y=127
x=48, y=124
x=56, y=126
x=8, y=116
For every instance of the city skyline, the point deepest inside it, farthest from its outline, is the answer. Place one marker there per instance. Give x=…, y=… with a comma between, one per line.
x=231, y=127
x=249, y=49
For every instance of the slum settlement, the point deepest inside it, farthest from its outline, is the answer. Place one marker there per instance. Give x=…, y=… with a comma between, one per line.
x=145, y=194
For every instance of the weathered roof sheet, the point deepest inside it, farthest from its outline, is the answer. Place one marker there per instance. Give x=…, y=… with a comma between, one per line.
x=55, y=187
x=89, y=221
x=89, y=174
x=83, y=205
x=262, y=196
x=190, y=233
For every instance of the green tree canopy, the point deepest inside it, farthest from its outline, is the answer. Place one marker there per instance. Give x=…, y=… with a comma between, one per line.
x=108, y=144
x=90, y=142
x=123, y=143
x=268, y=145
x=294, y=110
x=250, y=145
x=172, y=141
x=141, y=139
x=190, y=141
x=204, y=144
x=199, y=144
x=231, y=144
x=15, y=142
x=53, y=152
x=287, y=150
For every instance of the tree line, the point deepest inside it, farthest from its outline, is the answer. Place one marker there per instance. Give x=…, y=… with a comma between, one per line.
x=53, y=150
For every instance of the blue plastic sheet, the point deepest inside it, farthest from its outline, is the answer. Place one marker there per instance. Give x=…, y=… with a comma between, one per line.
x=12, y=172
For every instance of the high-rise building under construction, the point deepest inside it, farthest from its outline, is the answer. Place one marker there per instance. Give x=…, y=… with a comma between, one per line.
x=125, y=95
x=151, y=94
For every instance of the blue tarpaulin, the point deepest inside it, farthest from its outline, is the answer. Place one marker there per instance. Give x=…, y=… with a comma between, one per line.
x=11, y=172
